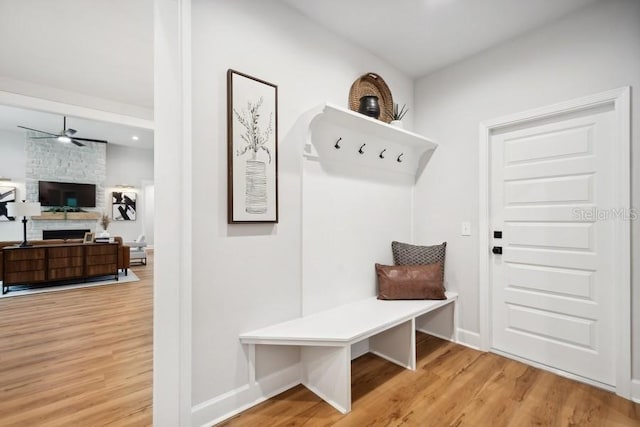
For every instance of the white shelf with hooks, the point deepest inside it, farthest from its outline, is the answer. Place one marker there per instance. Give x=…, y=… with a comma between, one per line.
x=341, y=136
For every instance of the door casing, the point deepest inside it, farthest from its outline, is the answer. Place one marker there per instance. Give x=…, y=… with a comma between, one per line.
x=620, y=100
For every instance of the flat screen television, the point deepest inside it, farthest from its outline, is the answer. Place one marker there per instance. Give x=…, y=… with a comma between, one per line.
x=67, y=194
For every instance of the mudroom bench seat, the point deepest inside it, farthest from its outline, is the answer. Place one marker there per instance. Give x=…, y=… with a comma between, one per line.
x=325, y=339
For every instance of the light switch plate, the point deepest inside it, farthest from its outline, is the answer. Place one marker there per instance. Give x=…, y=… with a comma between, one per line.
x=465, y=229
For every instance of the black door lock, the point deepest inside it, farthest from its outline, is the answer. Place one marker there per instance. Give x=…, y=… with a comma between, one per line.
x=497, y=250
x=497, y=234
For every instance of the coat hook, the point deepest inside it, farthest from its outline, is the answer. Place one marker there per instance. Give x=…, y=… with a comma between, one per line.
x=399, y=160
x=361, y=147
x=382, y=153
x=337, y=146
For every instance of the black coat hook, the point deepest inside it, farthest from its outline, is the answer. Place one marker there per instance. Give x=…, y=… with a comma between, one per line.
x=337, y=146
x=399, y=160
x=361, y=147
x=382, y=153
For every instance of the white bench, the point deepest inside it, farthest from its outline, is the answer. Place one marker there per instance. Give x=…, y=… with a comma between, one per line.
x=325, y=339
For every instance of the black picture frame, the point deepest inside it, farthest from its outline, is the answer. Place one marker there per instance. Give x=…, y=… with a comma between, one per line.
x=252, y=149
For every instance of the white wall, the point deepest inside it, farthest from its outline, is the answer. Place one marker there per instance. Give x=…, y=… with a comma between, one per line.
x=594, y=50
x=130, y=166
x=12, y=165
x=248, y=276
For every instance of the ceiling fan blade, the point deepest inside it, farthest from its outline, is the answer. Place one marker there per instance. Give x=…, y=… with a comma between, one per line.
x=70, y=132
x=92, y=140
x=78, y=143
x=44, y=137
x=41, y=131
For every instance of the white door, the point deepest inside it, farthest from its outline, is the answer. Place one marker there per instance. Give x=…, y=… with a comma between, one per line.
x=552, y=288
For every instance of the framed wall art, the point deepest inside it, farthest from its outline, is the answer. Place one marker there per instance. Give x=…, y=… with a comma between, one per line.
x=124, y=205
x=252, y=149
x=7, y=194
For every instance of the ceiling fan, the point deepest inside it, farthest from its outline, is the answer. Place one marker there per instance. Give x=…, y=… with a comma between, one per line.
x=65, y=135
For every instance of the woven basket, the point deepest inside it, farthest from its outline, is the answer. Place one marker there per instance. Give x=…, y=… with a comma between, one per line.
x=371, y=84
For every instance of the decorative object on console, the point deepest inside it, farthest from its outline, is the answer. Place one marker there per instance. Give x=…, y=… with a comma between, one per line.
x=396, y=114
x=410, y=282
x=7, y=195
x=88, y=237
x=104, y=222
x=369, y=106
x=371, y=84
x=407, y=254
x=124, y=206
x=24, y=209
x=252, y=130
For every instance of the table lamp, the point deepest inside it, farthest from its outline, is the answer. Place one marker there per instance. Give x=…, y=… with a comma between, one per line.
x=23, y=209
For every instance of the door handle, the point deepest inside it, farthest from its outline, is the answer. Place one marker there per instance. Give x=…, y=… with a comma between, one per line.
x=497, y=250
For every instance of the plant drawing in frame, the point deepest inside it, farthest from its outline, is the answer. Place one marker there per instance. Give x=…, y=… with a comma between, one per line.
x=7, y=194
x=252, y=153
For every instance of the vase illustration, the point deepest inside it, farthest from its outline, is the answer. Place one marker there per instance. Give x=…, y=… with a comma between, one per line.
x=255, y=140
x=256, y=187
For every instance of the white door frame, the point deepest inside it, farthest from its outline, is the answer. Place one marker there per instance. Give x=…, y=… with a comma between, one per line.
x=620, y=100
x=172, y=176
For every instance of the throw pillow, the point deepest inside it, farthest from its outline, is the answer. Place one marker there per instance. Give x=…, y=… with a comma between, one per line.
x=410, y=282
x=406, y=254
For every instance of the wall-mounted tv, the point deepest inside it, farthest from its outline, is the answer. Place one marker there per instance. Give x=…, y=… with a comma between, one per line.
x=67, y=194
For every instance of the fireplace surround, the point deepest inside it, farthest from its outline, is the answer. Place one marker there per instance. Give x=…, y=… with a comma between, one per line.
x=64, y=234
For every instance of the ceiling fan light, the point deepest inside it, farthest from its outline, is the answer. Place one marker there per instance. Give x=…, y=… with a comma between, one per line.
x=64, y=139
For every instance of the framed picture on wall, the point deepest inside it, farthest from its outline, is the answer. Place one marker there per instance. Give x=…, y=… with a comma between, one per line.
x=124, y=205
x=252, y=149
x=7, y=194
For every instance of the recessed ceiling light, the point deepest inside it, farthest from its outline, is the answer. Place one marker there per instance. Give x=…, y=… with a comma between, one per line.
x=135, y=138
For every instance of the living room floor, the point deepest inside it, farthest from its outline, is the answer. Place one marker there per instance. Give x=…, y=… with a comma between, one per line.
x=80, y=357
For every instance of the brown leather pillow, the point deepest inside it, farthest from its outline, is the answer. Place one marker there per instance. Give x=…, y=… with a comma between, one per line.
x=410, y=281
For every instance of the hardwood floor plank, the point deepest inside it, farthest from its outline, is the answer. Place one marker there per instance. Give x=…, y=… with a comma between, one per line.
x=80, y=357
x=453, y=386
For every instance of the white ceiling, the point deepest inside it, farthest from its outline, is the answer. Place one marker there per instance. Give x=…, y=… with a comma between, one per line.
x=11, y=117
x=104, y=48
x=100, y=48
x=420, y=36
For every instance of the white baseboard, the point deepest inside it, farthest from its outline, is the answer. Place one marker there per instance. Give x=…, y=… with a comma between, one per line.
x=235, y=401
x=469, y=339
x=635, y=390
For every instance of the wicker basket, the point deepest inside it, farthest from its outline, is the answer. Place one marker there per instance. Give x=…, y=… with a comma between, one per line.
x=371, y=84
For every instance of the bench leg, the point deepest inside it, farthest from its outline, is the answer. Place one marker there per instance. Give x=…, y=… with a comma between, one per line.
x=397, y=345
x=327, y=372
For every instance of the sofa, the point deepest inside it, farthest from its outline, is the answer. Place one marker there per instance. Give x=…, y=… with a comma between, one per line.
x=123, y=250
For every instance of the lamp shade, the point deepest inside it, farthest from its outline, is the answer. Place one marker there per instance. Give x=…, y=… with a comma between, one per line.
x=16, y=209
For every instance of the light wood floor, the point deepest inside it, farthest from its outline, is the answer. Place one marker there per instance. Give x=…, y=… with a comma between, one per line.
x=453, y=386
x=78, y=358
